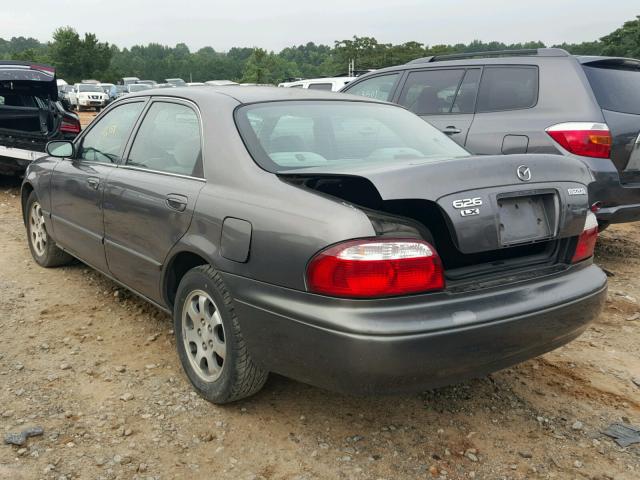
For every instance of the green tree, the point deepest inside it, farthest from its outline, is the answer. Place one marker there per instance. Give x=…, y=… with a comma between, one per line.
x=623, y=42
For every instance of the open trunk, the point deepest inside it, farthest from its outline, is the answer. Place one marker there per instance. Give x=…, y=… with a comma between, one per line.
x=28, y=116
x=481, y=218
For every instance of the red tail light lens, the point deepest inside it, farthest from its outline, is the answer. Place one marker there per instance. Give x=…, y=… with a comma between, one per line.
x=587, y=241
x=70, y=125
x=583, y=138
x=374, y=268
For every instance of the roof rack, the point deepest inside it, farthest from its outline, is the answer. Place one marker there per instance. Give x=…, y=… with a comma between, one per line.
x=541, y=52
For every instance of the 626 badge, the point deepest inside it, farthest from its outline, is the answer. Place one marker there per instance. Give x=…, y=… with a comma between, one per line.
x=467, y=202
x=464, y=204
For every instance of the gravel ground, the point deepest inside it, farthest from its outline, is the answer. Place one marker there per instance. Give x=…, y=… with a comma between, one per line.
x=96, y=368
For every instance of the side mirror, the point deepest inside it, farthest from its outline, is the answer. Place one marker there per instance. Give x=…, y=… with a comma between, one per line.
x=60, y=148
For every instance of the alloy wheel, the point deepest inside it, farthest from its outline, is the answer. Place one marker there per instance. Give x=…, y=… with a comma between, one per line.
x=203, y=335
x=37, y=229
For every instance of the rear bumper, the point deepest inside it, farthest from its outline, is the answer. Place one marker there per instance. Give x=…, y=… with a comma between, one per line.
x=620, y=202
x=413, y=343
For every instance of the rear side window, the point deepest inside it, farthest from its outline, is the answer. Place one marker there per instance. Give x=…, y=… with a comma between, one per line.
x=379, y=87
x=616, y=87
x=168, y=141
x=508, y=88
x=431, y=91
x=320, y=86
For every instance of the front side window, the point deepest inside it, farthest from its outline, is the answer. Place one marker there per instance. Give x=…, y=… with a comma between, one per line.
x=430, y=92
x=297, y=134
x=508, y=88
x=106, y=140
x=168, y=141
x=379, y=88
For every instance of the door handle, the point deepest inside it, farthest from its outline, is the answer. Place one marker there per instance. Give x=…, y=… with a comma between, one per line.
x=451, y=130
x=176, y=202
x=93, y=182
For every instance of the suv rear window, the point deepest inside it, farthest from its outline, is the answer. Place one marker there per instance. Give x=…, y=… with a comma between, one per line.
x=508, y=88
x=616, y=87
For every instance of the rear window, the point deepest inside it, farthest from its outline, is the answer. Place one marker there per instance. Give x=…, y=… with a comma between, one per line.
x=508, y=88
x=616, y=87
x=297, y=134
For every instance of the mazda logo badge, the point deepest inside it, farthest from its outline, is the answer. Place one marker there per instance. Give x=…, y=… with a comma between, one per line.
x=524, y=173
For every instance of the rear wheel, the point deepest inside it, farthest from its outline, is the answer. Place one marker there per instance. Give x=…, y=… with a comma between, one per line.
x=210, y=344
x=43, y=248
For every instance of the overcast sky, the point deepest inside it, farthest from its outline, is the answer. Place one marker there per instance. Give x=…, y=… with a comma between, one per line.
x=275, y=24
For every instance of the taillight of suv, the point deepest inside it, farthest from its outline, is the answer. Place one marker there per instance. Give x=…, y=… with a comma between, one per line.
x=586, y=139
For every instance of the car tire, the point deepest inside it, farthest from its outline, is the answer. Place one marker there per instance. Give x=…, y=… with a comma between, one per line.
x=43, y=249
x=603, y=225
x=210, y=345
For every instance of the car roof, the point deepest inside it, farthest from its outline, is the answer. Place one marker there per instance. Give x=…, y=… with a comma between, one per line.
x=513, y=57
x=244, y=94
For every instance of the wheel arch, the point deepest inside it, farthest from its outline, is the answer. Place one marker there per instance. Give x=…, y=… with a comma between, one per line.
x=179, y=263
x=25, y=192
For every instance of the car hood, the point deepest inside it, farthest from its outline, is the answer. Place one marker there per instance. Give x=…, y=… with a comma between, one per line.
x=28, y=78
x=470, y=191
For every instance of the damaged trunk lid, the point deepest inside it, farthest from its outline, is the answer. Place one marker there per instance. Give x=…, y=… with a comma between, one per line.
x=493, y=211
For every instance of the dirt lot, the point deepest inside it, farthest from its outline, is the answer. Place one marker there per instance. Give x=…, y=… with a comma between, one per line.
x=96, y=368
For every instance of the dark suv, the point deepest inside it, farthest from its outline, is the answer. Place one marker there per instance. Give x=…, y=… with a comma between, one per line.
x=532, y=101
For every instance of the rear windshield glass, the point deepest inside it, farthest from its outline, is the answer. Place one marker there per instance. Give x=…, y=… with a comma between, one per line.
x=616, y=88
x=297, y=134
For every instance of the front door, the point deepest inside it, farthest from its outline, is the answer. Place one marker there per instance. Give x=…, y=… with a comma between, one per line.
x=149, y=201
x=443, y=97
x=77, y=184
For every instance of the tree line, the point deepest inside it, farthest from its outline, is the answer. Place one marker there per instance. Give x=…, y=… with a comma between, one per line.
x=82, y=57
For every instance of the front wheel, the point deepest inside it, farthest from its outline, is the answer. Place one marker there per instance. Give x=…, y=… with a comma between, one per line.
x=43, y=249
x=210, y=344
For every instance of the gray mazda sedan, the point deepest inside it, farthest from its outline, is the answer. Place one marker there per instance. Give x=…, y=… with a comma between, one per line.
x=333, y=239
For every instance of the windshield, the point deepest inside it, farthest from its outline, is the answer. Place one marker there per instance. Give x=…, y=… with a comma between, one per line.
x=138, y=87
x=89, y=88
x=297, y=134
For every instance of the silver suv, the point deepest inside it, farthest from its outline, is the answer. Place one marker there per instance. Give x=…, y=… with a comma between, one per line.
x=532, y=101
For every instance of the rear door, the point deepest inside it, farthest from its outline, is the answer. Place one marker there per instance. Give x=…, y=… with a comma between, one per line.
x=616, y=85
x=504, y=110
x=445, y=97
x=150, y=199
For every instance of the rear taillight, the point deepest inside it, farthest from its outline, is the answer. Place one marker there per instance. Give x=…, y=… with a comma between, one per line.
x=371, y=268
x=587, y=241
x=583, y=138
x=70, y=125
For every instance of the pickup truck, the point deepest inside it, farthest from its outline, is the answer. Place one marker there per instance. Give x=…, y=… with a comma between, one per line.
x=30, y=114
